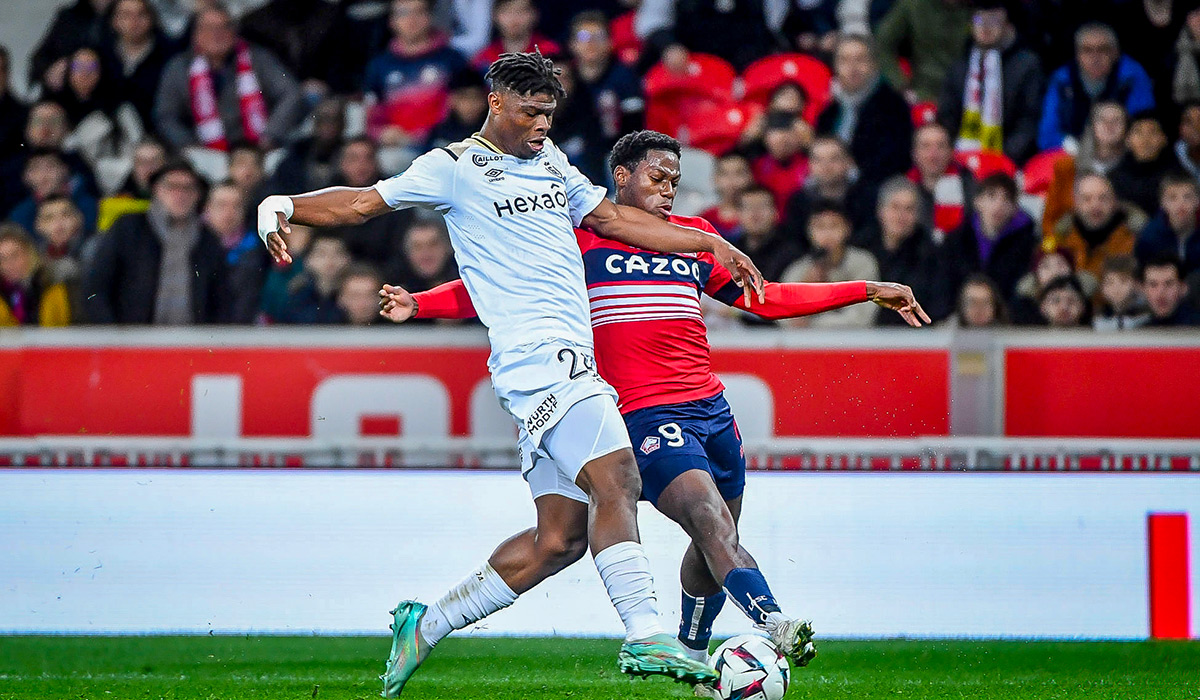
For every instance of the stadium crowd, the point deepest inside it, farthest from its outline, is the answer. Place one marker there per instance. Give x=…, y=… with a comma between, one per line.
x=1027, y=162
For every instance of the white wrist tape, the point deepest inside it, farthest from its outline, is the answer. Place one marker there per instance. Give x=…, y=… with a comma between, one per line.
x=268, y=219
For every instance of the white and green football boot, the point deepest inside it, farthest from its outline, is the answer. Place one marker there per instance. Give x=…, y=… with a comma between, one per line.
x=795, y=640
x=663, y=655
x=408, y=648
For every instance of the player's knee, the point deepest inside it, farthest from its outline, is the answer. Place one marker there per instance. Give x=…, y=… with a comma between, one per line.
x=559, y=551
x=711, y=528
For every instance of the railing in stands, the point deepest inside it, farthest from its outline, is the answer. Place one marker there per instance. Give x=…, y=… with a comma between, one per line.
x=965, y=454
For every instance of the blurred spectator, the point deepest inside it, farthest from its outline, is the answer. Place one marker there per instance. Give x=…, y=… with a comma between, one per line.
x=224, y=90
x=225, y=215
x=1098, y=227
x=13, y=114
x=946, y=186
x=273, y=299
x=1099, y=151
x=311, y=162
x=831, y=177
x=731, y=177
x=468, y=107
x=1063, y=305
x=1163, y=286
x=1047, y=267
x=246, y=259
x=378, y=241
x=932, y=34
x=992, y=99
x=832, y=259
x=903, y=249
x=148, y=157
x=788, y=98
x=248, y=173
x=866, y=113
x=302, y=34
x=358, y=297
x=812, y=26
x=1187, y=148
x=138, y=53
x=428, y=258
x=28, y=297
x=577, y=129
x=312, y=295
x=47, y=175
x=516, y=32
x=1099, y=73
x=613, y=89
x=86, y=88
x=60, y=234
x=1185, y=86
x=998, y=239
x=783, y=168
x=1149, y=31
x=81, y=24
x=1173, y=229
x=759, y=236
x=407, y=83
x=739, y=31
x=163, y=267
x=1121, y=305
x=980, y=304
x=1147, y=159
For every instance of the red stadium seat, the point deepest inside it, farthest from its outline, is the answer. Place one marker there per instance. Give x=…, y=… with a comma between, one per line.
x=670, y=96
x=716, y=126
x=625, y=42
x=764, y=75
x=982, y=164
x=1039, y=171
x=924, y=113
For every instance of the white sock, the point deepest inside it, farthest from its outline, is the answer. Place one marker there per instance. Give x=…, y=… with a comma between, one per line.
x=700, y=655
x=479, y=595
x=626, y=574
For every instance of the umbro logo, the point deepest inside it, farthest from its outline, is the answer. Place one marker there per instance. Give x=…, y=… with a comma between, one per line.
x=481, y=160
x=494, y=174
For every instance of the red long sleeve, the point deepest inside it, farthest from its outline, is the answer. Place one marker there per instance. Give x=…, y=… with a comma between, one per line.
x=802, y=299
x=449, y=300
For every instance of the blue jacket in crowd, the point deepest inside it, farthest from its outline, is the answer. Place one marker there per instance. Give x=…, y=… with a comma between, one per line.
x=1068, y=105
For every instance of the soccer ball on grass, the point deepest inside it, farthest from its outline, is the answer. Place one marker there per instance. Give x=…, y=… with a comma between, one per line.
x=750, y=667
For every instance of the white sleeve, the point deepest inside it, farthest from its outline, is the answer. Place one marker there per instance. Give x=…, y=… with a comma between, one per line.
x=582, y=196
x=428, y=182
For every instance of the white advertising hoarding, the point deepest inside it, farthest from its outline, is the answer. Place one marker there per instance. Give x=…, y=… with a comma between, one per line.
x=329, y=552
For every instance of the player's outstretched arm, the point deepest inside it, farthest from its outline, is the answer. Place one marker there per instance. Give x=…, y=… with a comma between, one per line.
x=793, y=300
x=333, y=206
x=449, y=300
x=640, y=229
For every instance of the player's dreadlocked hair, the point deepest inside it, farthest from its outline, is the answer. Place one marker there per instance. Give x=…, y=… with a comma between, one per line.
x=526, y=74
x=630, y=149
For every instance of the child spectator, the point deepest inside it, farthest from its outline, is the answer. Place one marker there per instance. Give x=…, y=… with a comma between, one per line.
x=1173, y=229
x=1047, y=267
x=998, y=240
x=1138, y=175
x=782, y=169
x=980, y=304
x=1063, y=304
x=60, y=235
x=28, y=295
x=1121, y=305
x=731, y=177
x=312, y=296
x=832, y=259
x=46, y=175
x=358, y=297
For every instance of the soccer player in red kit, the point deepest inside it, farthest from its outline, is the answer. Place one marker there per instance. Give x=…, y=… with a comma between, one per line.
x=652, y=346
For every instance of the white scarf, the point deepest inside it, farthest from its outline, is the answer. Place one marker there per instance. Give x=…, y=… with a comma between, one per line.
x=983, y=104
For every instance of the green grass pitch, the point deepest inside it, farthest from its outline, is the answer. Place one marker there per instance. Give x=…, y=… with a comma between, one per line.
x=327, y=668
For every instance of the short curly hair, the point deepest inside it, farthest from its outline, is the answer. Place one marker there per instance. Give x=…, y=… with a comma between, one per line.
x=526, y=74
x=631, y=149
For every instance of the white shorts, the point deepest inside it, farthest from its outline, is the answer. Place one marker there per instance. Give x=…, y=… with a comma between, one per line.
x=590, y=429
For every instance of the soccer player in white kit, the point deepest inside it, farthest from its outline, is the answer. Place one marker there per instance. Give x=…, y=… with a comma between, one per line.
x=511, y=202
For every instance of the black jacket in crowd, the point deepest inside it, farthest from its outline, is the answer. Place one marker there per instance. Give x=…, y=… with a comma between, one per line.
x=882, y=140
x=121, y=282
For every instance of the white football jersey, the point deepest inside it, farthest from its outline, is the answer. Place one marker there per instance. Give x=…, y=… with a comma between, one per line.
x=511, y=221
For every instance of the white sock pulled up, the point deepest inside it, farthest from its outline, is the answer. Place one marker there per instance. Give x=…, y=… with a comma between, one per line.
x=626, y=574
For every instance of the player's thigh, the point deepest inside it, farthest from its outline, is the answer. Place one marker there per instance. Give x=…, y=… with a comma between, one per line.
x=668, y=443
x=590, y=437
x=726, y=456
x=694, y=503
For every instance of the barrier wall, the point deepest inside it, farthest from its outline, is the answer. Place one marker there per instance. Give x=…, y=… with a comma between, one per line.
x=318, y=551
x=326, y=383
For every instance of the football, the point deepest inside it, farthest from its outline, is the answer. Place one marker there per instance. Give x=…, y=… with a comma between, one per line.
x=750, y=667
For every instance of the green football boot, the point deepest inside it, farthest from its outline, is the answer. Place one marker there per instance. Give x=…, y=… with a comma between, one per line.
x=795, y=640
x=408, y=649
x=662, y=655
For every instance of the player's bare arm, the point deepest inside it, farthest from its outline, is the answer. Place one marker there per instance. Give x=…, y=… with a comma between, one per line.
x=640, y=229
x=333, y=206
